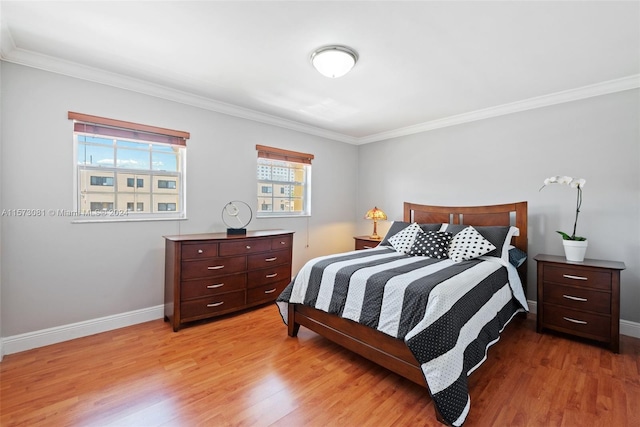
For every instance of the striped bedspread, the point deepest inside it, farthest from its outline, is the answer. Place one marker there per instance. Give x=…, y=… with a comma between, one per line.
x=448, y=313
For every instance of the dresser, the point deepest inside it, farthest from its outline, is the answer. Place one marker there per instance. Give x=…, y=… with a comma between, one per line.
x=581, y=299
x=366, y=242
x=208, y=275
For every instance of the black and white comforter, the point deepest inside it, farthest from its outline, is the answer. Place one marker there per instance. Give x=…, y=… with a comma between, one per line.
x=447, y=313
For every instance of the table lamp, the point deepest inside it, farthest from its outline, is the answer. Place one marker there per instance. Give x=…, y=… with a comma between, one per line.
x=376, y=215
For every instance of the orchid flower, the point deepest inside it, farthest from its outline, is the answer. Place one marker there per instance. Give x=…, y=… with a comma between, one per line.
x=577, y=183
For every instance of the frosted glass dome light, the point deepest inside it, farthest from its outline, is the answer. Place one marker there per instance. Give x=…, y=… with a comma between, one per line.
x=334, y=61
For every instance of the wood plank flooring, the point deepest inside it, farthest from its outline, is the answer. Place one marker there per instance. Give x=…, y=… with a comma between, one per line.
x=243, y=370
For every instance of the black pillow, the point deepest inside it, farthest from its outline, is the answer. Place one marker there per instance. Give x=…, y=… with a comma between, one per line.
x=434, y=244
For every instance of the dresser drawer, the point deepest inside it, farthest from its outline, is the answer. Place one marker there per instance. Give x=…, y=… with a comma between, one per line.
x=588, y=325
x=199, y=250
x=265, y=293
x=203, y=287
x=269, y=275
x=281, y=242
x=245, y=247
x=268, y=259
x=213, y=267
x=207, y=306
x=578, y=276
x=578, y=298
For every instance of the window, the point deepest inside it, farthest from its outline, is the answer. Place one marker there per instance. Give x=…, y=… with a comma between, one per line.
x=284, y=182
x=113, y=159
x=163, y=183
x=102, y=180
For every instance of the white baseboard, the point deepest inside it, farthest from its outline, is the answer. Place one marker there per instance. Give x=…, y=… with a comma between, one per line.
x=631, y=329
x=22, y=342
x=29, y=340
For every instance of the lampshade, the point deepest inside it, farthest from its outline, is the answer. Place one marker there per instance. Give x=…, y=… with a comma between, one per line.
x=376, y=215
x=334, y=61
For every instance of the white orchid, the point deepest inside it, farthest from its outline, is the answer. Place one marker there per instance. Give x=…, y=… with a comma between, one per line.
x=573, y=183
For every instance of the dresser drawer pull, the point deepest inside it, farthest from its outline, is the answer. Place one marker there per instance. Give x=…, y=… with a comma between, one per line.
x=574, y=298
x=215, y=304
x=215, y=267
x=580, y=322
x=269, y=276
x=200, y=251
x=570, y=276
x=271, y=259
x=218, y=285
x=367, y=247
x=270, y=291
x=283, y=243
x=248, y=247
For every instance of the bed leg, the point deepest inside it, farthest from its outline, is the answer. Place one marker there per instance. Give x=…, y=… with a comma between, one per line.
x=292, y=326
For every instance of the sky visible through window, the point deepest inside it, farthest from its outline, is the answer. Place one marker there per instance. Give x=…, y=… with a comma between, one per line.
x=106, y=152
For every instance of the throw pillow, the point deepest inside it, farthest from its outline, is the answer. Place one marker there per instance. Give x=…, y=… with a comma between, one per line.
x=434, y=244
x=469, y=244
x=403, y=240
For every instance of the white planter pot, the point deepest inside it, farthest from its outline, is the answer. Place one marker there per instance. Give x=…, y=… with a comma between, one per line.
x=574, y=250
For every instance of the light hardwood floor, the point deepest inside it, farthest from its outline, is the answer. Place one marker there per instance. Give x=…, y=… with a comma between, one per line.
x=244, y=370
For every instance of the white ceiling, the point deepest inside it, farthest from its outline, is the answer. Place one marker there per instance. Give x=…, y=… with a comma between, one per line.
x=423, y=64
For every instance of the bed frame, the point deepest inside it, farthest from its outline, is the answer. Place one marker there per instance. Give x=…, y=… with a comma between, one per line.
x=386, y=351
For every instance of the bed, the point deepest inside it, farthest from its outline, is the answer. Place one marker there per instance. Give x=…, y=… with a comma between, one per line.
x=360, y=299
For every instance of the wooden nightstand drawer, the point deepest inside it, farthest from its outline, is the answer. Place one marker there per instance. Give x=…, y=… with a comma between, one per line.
x=577, y=298
x=577, y=276
x=365, y=242
x=588, y=325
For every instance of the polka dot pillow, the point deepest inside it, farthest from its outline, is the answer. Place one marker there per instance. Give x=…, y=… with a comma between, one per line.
x=434, y=244
x=469, y=244
x=403, y=240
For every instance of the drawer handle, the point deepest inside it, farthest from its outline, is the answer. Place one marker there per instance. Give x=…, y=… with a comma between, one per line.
x=570, y=276
x=270, y=291
x=271, y=259
x=248, y=247
x=200, y=251
x=271, y=275
x=217, y=285
x=283, y=243
x=580, y=322
x=215, y=304
x=574, y=298
x=215, y=267
x=368, y=247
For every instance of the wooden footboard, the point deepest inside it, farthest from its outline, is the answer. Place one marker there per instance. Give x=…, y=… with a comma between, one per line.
x=382, y=349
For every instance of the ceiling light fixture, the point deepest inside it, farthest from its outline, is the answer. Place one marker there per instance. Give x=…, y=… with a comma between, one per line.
x=334, y=61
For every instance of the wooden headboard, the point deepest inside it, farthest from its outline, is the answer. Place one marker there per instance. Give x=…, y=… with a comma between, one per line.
x=508, y=214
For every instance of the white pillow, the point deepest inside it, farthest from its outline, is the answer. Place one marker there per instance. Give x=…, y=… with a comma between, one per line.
x=403, y=240
x=469, y=244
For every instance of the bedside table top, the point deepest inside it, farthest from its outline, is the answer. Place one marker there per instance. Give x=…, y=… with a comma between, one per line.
x=588, y=262
x=368, y=238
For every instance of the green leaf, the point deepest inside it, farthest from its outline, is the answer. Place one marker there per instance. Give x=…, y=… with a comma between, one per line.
x=565, y=236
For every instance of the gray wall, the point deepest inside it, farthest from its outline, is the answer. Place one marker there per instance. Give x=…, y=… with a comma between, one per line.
x=56, y=273
x=506, y=159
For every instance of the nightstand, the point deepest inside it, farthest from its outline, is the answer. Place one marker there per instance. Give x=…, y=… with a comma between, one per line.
x=580, y=298
x=366, y=242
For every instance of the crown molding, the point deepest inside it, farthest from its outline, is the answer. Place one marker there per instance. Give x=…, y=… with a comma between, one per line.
x=72, y=69
x=10, y=53
x=603, y=88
